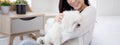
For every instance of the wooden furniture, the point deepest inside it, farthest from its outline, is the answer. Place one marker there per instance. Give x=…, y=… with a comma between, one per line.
x=13, y=26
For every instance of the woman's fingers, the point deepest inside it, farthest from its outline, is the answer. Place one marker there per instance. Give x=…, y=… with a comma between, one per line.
x=59, y=17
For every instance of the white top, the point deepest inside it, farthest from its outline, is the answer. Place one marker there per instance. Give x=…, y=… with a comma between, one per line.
x=88, y=16
x=88, y=19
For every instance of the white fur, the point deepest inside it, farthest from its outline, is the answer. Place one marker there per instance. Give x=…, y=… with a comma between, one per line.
x=68, y=24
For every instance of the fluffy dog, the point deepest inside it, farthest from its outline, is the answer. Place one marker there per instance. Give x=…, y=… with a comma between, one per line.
x=69, y=24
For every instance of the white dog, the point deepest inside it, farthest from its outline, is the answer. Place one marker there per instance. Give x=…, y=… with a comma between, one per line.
x=68, y=24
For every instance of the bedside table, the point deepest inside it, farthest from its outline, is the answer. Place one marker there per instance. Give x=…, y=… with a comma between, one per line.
x=14, y=25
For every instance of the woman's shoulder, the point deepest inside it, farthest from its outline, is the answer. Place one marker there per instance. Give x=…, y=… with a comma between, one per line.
x=92, y=8
x=89, y=9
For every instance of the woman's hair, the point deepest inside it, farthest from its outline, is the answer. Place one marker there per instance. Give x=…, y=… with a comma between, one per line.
x=63, y=5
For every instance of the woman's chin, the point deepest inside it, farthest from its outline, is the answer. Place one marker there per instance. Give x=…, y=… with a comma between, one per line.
x=77, y=8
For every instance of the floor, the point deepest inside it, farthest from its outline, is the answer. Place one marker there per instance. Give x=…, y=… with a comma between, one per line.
x=107, y=32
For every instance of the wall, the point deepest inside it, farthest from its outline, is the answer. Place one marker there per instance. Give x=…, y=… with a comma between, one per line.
x=104, y=7
x=47, y=6
x=108, y=7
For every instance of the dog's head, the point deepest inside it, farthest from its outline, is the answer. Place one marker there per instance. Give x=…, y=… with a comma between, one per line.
x=71, y=20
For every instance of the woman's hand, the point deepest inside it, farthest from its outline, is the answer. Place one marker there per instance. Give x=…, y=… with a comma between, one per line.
x=59, y=18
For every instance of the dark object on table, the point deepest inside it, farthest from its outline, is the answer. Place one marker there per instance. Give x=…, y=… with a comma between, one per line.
x=21, y=9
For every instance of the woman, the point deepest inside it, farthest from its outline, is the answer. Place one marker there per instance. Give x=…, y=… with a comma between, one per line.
x=71, y=5
x=84, y=8
x=65, y=5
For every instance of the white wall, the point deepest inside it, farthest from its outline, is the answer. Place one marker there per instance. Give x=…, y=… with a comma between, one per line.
x=108, y=7
x=46, y=6
x=104, y=7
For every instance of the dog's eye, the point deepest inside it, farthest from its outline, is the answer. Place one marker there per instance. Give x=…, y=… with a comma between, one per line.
x=78, y=25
